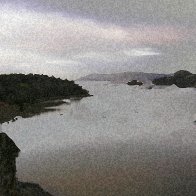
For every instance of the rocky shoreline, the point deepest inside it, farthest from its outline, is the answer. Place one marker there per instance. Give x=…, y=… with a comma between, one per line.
x=26, y=96
x=9, y=185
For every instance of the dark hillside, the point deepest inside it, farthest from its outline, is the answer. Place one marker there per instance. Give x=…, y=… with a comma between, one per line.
x=21, y=88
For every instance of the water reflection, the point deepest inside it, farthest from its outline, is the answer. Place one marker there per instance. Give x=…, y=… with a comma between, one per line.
x=12, y=112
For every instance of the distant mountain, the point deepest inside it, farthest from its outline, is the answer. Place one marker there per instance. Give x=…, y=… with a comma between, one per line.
x=123, y=77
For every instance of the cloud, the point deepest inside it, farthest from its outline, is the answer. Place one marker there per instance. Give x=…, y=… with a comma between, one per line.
x=55, y=32
x=121, y=12
x=50, y=42
x=141, y=52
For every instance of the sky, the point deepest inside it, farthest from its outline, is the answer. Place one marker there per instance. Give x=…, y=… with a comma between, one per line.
x=73, y=38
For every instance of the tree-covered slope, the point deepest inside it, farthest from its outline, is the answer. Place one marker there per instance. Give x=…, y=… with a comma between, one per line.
x=32, y=88
x=182, y=79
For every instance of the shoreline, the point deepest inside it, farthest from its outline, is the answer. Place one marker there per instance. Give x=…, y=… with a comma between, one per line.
x=10, y=112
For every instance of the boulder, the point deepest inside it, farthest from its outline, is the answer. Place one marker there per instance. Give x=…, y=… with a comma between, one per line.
x=9, y=185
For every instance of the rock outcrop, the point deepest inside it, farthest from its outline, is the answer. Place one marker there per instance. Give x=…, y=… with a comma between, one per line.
x=181, y=79
x=135, y=82
x=8, y=153
x=9, y=185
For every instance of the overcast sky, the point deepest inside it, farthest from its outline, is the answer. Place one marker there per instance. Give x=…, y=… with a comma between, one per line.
x=72, y=38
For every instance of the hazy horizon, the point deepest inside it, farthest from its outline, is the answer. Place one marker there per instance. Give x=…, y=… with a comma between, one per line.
x=71, y=39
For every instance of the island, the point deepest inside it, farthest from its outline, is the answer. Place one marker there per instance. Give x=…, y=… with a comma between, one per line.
x=135, y=82
x=182, y=79
x=24, y=95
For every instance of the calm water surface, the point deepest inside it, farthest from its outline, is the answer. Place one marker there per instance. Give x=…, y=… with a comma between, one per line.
x=122, y=141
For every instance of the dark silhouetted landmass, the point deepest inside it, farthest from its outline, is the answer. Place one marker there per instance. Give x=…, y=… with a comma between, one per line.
x=182, y=79
x=135, y=82
x=9, y=185
x=27, y=95
x=21, y=88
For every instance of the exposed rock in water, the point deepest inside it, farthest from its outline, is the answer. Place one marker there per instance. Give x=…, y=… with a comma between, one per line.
x=9, y=185
x=149, y=87
x=135, y=82
x=181, y=79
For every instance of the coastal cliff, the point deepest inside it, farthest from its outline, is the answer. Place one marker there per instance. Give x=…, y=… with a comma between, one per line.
x=9, y=185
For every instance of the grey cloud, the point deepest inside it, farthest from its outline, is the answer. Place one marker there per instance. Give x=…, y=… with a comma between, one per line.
x=72, y=38
x=121, y=11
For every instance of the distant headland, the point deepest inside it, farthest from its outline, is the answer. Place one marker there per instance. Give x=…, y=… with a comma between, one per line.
x=181, y=78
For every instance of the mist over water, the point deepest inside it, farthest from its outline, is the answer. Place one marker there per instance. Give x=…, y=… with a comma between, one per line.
x=122, y=141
